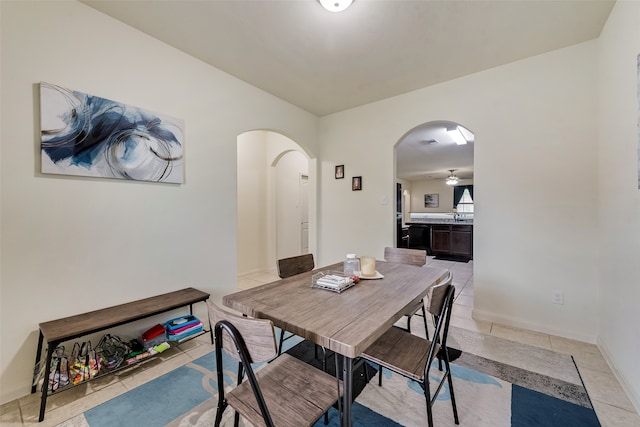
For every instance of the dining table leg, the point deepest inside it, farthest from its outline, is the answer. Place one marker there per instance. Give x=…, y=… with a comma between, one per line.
x=347, y=391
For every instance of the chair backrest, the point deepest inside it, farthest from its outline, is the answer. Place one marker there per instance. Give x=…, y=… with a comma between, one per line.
x=288, y=267
x=248, y=341
x=440, y=301
x=258, y=335
x=406, y=256
x=437, y=295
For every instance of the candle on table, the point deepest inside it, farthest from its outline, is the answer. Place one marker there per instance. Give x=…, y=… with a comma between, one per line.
x=368, y=266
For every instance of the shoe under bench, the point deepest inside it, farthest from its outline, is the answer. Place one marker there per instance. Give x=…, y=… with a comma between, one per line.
x=57, y=331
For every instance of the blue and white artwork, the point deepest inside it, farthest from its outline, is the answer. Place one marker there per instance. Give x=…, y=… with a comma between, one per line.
x=91, y=136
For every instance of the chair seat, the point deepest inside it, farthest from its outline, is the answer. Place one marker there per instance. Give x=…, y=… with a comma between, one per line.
x=412, y=356
x=400, y=351
x=294, y=392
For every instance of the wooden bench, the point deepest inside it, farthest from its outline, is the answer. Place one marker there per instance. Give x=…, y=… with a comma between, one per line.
x=57, y=331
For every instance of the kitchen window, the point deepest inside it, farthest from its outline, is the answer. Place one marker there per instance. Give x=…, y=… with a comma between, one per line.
x=465, y=205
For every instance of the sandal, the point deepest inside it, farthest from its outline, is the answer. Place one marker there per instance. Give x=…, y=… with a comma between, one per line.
x=76, y=368
x=54, y=376
x=64, y=371
x=94, y=367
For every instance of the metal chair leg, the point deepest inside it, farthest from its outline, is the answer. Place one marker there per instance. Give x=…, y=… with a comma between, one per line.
x=424, y=317
x=324, y=368
x=236, y=416
x=427, y=395
x=281, y=341
x=453, y=398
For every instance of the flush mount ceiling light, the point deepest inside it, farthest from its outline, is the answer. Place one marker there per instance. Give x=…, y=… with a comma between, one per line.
x=428, y=142
x=452, y=179
x=335, y=5
x=456, y=134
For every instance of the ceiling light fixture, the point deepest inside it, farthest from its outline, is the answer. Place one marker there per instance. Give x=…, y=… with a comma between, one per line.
x=428, y=142
x=452, y=179
x=457, y=135
x=335, y=5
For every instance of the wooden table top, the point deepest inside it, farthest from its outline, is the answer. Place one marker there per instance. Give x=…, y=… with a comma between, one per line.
x=346, y=322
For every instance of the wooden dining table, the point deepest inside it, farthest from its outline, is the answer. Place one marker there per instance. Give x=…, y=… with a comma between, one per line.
x=347, y=322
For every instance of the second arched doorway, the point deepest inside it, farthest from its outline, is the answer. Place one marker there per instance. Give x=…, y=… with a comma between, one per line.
x=273, y=198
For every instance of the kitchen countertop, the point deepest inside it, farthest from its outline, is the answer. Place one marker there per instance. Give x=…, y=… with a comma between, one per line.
x=440, y=221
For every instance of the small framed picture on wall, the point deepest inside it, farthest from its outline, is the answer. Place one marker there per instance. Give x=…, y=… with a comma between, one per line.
x=339, y=171
x=356, y=183
x=431, y=200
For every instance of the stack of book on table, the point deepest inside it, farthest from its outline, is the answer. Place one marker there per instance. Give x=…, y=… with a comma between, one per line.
x=332, y=281
x=184, y=327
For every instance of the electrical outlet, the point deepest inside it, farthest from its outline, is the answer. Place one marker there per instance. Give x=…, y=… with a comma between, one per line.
x=557, y=297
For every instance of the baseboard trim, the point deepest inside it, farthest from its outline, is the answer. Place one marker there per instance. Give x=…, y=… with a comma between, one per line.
x=255, y=271
x=518, y=323
x=633, y=397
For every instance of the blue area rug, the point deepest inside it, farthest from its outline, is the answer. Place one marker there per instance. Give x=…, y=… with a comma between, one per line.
x=362, y=417
x=155, y=403
x=487, y=394
x=532, y=408
x=170, y=396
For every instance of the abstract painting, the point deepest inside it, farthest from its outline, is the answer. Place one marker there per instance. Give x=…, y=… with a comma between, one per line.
x=431, y=200
x=87, y=135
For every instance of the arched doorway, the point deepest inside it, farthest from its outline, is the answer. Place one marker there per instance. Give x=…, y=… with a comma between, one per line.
x=273, y=191
x=424, y=160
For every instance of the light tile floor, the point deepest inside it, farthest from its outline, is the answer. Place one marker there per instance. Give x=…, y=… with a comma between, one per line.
x=613, y=407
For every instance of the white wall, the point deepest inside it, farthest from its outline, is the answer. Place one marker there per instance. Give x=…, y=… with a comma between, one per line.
x=534, y=181
x=254, y=203
x=618, y=200
x=70, y=245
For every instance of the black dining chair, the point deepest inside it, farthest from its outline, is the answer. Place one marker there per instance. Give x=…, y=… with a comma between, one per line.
x=291, y=266
x=412, y=356
x=288, y=267
x=285, y=392
x=417, y=257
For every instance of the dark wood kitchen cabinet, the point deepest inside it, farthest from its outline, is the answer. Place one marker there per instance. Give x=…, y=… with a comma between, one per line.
x=453, y=240
x=440, y=239
x=420, y=237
